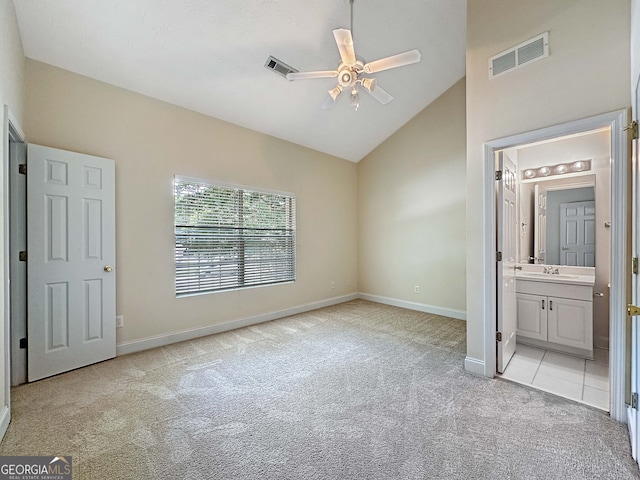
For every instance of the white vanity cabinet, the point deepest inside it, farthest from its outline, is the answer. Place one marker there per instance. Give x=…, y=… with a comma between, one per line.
x=555, y=316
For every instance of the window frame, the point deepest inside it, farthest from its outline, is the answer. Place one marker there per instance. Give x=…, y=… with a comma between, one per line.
x=241, y=238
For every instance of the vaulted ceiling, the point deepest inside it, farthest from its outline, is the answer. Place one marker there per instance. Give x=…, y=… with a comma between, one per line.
x=209, y=56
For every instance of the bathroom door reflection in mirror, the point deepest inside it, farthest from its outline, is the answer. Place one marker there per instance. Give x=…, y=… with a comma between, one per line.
x=557, y=219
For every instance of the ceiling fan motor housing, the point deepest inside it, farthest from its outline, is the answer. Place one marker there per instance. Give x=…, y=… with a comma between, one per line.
x=348, y=75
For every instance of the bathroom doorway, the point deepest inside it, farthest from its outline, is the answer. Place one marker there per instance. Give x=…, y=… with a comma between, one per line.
x=612, y=123
x=563, y=220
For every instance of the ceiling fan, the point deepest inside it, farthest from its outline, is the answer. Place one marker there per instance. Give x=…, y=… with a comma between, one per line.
x=352, y=70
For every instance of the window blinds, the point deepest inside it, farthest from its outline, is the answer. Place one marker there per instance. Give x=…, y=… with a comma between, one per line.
x=229, y=237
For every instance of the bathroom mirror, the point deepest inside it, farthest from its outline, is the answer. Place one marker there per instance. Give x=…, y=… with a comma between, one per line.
x=557, y=221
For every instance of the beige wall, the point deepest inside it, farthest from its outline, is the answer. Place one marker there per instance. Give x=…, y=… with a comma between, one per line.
x=12, y=70
x=586, y=74
x=11, y=62
x=411, y=209
x=151, y=141
x=635, y=43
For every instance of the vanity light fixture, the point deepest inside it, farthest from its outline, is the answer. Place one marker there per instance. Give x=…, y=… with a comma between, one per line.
x=560, y=169
x=579, y=166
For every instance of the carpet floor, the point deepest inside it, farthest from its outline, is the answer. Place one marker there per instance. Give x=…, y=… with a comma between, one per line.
x=355, y=391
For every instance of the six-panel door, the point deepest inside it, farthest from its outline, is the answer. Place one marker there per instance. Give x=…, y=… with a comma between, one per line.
x=71, y=260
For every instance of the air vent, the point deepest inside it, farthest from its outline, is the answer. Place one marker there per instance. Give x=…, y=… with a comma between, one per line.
x=279, y=67
x=534, y=49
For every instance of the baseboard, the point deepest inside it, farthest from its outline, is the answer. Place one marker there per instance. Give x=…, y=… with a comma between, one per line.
x=601, y=342
x=5, y=418
x=473, y=365
x=421, y=307
x=183, y=335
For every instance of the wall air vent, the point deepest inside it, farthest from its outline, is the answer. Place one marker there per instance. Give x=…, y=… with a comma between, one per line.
x=279, y=67
x=534, y=49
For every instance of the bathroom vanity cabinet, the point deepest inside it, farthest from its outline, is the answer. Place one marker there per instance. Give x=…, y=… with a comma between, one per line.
x=555, y=316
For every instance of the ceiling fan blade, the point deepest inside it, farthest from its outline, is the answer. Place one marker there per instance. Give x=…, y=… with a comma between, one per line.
x=399, y=60
x=334, y=93
x=379, y=94
x=306, y=75
x=329, y=103
x=345, y=45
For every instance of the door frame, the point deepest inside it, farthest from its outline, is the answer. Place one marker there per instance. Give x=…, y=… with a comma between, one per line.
x=615, y=121
x=10, y=129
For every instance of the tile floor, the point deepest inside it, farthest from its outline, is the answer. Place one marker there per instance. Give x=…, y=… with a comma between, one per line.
x=585, y=381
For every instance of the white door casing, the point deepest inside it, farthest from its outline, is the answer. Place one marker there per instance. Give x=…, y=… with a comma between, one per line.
x=71, y=260
x=578, y=234
x=633, y=418
x=540, y=238
x=507, y=317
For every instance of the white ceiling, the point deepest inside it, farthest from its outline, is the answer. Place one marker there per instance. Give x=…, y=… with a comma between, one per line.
x=209, y=56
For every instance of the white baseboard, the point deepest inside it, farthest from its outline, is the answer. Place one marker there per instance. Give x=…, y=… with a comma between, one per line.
x=601, y=342
x=421, y=307
x=183, y=335
x=473, y=365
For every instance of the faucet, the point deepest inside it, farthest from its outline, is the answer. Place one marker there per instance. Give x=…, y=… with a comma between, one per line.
x=551, y=271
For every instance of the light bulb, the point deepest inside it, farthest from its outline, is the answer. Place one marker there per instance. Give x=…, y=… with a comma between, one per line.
x=544, y=171
x=355, y=98
x=529, y=173
x=578, y=166
x=561, y=169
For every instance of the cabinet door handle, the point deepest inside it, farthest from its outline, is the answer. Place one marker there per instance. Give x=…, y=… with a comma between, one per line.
x=550, y=304
x=543, y=304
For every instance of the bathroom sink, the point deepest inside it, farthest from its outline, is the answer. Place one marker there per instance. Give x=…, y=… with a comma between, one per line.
x=549, y=275
x=556, y=278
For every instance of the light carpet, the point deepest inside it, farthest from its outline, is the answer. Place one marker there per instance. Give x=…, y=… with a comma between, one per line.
x=355, y=391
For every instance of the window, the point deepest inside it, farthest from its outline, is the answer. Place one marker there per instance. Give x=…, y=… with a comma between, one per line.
x=230, y=237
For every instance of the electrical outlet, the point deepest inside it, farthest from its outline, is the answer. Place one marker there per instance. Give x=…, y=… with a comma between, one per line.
x=119, y=321
x=416, y=289
x=333, y=285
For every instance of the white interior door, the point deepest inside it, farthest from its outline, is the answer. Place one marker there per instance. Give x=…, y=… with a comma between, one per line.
x=71, y=260
x=507, y=317
x=578, y=234
x=540, y=238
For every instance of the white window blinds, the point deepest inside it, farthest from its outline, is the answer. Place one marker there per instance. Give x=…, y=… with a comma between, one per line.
x=229, y=237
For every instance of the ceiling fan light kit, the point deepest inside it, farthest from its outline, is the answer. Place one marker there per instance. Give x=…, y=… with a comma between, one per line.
x=351, y=70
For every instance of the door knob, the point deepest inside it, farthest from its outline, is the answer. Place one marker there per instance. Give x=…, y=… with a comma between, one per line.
x=632, y=310
x=108, y=268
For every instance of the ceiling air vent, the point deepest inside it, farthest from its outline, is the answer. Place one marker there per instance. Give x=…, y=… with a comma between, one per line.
x=527, y=52
x=279, y=67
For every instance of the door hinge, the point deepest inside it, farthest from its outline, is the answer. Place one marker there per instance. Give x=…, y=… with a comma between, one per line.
x=498, y=256
x=499, y=175
x=22, y=256
x=633, y=127
x=634, y=265
x=23, y=343
x=633, y=311
x=22, y=168
x=634, y=400
x=498, y=336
